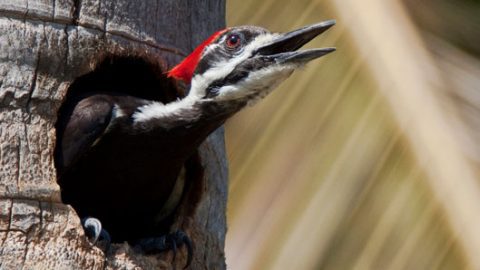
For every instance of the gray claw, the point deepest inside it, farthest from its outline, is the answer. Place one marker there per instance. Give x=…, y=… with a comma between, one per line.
x=93, y=228
x=168, y=242
x=94, y=231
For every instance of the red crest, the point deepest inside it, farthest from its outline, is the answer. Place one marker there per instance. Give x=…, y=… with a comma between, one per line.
x=184, y=70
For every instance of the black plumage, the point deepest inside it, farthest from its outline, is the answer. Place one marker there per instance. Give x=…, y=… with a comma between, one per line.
x=121, y=148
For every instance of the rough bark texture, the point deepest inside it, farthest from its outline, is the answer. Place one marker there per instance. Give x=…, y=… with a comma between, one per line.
x=44, y=46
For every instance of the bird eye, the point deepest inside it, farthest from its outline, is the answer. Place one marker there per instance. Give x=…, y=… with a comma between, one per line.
x=233, y=41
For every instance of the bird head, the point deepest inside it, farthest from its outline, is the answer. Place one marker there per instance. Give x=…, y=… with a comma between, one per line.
x=232, y=68
x=246, y=63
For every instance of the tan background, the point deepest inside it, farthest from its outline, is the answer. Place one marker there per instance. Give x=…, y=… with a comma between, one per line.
x=367, y=158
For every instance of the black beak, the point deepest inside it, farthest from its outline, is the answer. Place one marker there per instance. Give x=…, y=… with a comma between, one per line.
x=284, y=48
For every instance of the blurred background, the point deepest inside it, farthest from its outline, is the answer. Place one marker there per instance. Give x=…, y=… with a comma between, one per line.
x=368, y=158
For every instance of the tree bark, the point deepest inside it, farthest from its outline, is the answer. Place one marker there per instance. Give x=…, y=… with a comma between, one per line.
x=44, y=46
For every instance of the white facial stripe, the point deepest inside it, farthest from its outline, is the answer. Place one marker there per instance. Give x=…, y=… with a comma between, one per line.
x=259, y=83
x=156, y=110
x=200, y=82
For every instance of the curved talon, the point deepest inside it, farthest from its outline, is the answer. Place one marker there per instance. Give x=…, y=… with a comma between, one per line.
x=93, y=228
x=188, y=244
x=105, y=236
x=171, y=242
x=95, y=232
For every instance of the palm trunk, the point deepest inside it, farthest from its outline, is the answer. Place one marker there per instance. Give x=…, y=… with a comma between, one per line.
x=44, y=46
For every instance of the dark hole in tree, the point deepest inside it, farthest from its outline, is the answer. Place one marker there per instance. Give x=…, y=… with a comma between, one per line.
x=134, y=76
x=137, y=77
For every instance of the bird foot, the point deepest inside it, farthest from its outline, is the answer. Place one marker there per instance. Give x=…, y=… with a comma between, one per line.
x=95, y=232
x=166, y=242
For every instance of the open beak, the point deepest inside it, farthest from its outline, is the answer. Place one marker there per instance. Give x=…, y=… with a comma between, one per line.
x=284, y=47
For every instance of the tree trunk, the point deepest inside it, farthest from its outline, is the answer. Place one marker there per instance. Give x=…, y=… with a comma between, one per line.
x=44, y=46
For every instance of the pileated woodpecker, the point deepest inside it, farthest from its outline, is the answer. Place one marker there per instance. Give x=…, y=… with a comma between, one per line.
x=119, y=156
